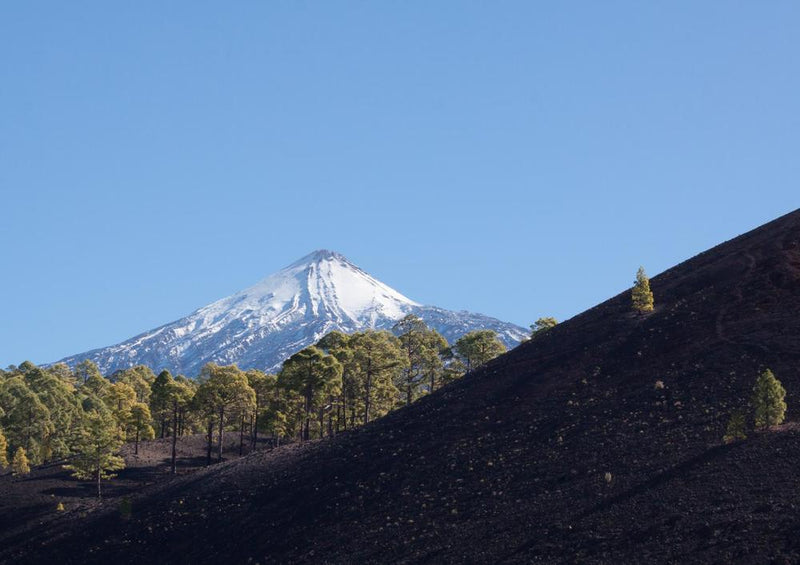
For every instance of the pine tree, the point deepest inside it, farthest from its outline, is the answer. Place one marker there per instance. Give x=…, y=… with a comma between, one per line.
x=768, y=400
x=315, y=376
x=350, y=400
x=454, y=368
x=180, y=395
x=95, y=384
x=140, y=377
x=97, y=450
x=422, y=347
x=284, y=416
x=3, y=450
x=138, y=425
x=62, y=372
x=187, y=389
x=641, y=295
x=205, y=409
x=160, y=401
x=120, y=399
x=26, y=421
x=478, y=347
x=224, y=392
x=20, y=465
x=57, y=393
x=541, y=325
x=85, y=370
x=378, y=360
x=264, y=387
x=736, y=428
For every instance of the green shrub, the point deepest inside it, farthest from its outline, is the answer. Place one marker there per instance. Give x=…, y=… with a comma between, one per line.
x=736, y=428
x=20, y=464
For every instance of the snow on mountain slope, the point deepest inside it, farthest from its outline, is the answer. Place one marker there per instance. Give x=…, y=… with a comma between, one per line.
x=263, y=325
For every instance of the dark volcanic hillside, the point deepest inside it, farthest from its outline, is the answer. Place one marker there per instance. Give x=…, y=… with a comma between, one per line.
x=510, y=464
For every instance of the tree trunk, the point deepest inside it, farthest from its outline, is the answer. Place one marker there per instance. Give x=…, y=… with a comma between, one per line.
x=136, y=442
x=174, y=434
x=209, y=437
x=254, y=423
x=433, y=380
x=28, y=431
x=368, y=391
x=305, y=433
x=221, y=433
x=99, y=492
x=343, y=408
x=241, y=436
x=409, y=382
x=253, y=431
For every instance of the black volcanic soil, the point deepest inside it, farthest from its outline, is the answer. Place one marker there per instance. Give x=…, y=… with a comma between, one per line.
x=29, y=503
x=566, y=450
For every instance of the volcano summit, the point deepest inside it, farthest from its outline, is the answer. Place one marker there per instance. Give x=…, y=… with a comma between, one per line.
x=261, y=326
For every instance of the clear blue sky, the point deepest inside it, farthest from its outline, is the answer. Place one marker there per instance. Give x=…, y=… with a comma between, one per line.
x=517, y=159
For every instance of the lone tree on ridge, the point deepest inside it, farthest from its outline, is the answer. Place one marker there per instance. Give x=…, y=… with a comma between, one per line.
x=542, y=325
x=641, y=294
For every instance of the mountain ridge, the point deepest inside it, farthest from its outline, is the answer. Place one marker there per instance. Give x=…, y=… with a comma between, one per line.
x=262, y=325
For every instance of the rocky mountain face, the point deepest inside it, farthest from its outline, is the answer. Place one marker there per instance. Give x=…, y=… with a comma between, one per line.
x=263, y=325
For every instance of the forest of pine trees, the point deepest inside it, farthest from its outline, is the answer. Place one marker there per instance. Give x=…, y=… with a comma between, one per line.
x=81, y=418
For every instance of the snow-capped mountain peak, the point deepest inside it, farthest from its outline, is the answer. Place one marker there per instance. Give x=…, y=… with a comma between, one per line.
x=326, y=281
x=264, y=324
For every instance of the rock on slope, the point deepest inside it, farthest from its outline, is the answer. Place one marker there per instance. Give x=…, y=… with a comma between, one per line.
x=568, y=449
x=263, y=325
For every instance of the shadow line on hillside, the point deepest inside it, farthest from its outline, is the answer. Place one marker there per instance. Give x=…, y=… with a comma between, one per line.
x=658, y=479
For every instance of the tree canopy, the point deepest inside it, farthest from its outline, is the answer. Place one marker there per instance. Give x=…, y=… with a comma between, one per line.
x=478, y=347
x=769, y=406
x=224, y=393
x=315, y=376
x=79, y=415
x=3, y=450
x=641, y=295
x=542, y=325
x=97, y=449
x=424, y=349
